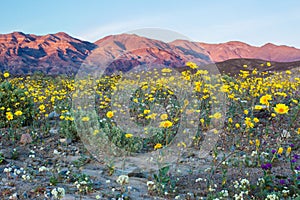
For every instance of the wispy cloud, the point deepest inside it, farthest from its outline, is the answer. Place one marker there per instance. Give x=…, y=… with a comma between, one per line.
x=98, y=32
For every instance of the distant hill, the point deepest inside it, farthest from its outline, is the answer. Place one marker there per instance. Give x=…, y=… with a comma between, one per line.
x=233, y=66
x=269, y=52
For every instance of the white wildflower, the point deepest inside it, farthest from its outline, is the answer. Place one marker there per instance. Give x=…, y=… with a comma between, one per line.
x=43, y=168
x=151, y=185
x=123, y=179
x=198, y=180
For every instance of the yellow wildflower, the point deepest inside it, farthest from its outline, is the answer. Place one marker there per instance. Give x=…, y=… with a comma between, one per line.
x=248, y=123
x=85, y=119
x=295, y=101
x=216, y=115
x=166, y=70
x=281, y=108
x=257, y=143
x=164, y=116
x=18, y=113
x=288, y=151
x=265, y=99
x=255, y=119
x=146, y=112
x=96, y=131
x=158, y=146
x=109, y=114
x=42, y=107
x=128, y=135
x=288, y=72
x=6, y=75
x=280, y=150
x=191, y=65
x=166, y=124
x=258, y=107
x=9, y=116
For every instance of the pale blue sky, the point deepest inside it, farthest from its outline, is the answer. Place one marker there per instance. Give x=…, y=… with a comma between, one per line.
x=253, y=21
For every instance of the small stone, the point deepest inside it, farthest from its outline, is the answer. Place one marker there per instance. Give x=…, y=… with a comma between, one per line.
x=6, y=153
x=53, y=131
x=35, y=163
x=97, y=185
x=25, y=139
x=15, y=196
x=25, y=195
x=63, y=171
x=65, y=141
x=72, y=158
x=92, y=173
x=53, y=115
x=4, y=180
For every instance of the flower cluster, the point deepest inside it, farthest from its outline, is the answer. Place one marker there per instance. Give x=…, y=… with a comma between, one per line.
x=58, y=193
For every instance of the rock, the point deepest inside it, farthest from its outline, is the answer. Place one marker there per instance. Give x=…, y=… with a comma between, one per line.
x=63, y=171
x=25, y=195
x=138, y=174
x=132, y=171
x=25, y=139
x=65, y=141
x=6, y=153
x=4, y=180
x=97, y=185
x=92, y=173
x=35, y=163
x=72, y=158
x=53, y=131
x=15, y=196
x=73, y=197
x=53, y=115
x=138, y=187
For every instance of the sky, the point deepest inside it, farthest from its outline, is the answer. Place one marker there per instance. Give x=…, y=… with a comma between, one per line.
x=255, y=22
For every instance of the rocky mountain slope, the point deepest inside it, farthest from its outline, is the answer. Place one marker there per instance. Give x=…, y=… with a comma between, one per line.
x=52, y=54
x=268, y=52
x=62, y=54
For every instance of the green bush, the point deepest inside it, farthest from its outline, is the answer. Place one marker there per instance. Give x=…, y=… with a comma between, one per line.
x=68, y=127
x=16, y=108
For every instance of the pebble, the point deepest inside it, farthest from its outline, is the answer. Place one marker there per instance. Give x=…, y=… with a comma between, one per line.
x=53, y=131
x=65, y=141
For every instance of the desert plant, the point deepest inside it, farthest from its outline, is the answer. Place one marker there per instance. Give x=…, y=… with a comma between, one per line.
x=16, y=107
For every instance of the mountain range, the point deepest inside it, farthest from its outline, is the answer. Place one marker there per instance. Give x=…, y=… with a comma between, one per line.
x=62, y=54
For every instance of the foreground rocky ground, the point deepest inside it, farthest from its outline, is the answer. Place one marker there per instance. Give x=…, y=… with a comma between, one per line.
x=31, y=170
x=50, y=162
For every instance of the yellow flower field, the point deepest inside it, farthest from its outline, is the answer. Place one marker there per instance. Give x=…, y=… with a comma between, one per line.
x=256, y=115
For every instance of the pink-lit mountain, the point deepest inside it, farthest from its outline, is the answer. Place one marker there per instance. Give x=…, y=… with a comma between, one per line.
x=62, y=54
x=52, y=54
